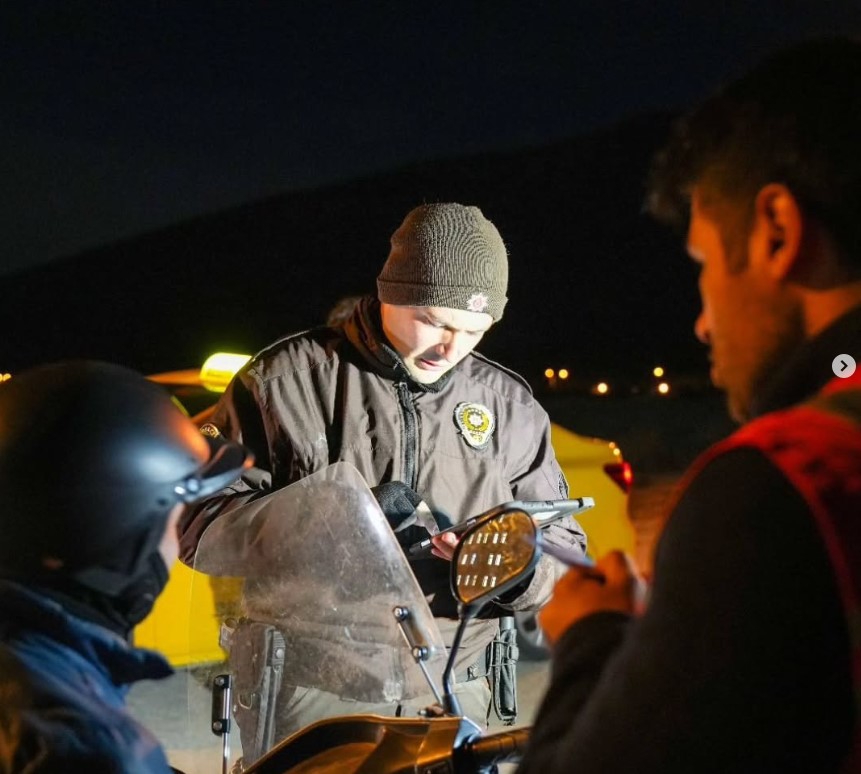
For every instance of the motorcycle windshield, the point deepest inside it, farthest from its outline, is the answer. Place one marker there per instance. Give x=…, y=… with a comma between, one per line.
x=305, y=583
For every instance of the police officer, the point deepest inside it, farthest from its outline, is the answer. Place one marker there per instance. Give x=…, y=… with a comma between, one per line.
x=96, y=465
x=399, y=391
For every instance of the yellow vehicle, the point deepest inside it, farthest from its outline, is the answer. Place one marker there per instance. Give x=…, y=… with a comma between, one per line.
x=593, y=467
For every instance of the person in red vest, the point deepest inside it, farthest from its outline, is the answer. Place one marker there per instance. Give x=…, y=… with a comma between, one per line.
x=746, y=655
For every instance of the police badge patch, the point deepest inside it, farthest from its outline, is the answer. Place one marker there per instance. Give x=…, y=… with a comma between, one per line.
x=211, y=430
x=476, y=423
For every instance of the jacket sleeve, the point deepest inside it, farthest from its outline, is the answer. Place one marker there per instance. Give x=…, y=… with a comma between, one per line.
x=238, y=416
x=741, y=647
x=541, y=478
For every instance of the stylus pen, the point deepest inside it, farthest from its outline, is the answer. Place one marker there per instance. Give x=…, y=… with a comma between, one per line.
x=424, y=546
x=565, y=555
x=572, y=558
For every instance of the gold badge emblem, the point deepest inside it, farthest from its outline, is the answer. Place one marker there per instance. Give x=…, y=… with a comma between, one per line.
x=210, y=430
x=476, y=423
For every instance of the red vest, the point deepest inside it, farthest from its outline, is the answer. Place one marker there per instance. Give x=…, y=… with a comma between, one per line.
x=817, y=446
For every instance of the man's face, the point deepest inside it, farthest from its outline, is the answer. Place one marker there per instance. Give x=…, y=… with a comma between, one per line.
x=748, y=320
x=432, y=340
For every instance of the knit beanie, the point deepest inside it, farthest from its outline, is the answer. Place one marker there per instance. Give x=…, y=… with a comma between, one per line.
x=446, y=255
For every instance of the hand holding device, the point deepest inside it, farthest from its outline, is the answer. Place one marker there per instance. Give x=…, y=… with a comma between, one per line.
x=543, y=513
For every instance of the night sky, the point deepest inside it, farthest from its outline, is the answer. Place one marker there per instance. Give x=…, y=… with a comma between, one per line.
x=120, y=117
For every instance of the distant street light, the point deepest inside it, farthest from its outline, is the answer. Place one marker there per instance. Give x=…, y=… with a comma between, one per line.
x=658, y=372
x=550, y=373
x=563, y=373
x=664, y=388
x=602, y=388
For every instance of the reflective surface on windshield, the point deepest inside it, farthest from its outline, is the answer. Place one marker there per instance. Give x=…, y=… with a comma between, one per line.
x=316, y=564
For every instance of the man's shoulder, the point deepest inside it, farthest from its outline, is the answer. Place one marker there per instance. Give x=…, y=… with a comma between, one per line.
x=296, y=353
x=789, y=442
x=826, y=420
x=497, y=377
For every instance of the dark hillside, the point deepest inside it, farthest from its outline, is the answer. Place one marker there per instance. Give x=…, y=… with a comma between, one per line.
x=595, y=285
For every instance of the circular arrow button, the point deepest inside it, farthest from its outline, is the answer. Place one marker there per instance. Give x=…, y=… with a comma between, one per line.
x=843, y=366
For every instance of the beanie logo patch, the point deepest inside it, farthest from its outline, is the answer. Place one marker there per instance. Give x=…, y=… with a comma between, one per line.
x=477, y=302
x=476, y=423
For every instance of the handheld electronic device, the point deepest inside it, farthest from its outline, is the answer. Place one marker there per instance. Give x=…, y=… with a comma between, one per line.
x=543, y=513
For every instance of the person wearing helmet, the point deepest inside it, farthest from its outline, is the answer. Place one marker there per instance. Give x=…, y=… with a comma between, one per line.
x=96, y=465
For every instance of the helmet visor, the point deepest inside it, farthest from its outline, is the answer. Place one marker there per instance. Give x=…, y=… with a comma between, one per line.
x=227, y=460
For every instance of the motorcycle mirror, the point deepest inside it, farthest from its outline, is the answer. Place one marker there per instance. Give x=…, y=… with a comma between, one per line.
x=492, y=556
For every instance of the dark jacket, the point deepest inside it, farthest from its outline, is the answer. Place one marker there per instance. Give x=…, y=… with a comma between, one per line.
x=63, y=683
x=342, y=394
x=742, y=661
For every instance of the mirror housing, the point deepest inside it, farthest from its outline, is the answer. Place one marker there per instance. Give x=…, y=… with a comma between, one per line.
x=493, y=556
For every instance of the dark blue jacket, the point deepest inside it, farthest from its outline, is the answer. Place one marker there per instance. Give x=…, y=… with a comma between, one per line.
x=63, y=682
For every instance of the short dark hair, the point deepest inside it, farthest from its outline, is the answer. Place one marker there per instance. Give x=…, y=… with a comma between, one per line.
x=794, y=119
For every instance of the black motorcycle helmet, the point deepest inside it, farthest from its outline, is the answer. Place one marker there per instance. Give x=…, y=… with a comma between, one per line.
x=93, y=457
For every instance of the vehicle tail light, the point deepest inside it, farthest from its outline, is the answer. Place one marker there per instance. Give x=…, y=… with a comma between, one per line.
x=622, y=473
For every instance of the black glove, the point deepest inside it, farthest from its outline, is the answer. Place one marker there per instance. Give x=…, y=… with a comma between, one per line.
x=398, y=502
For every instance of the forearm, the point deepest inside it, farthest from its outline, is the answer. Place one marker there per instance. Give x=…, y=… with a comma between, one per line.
x=543, y=479
x=578, y=661
x=197, y=519
x=540, y=587
x=237, y=417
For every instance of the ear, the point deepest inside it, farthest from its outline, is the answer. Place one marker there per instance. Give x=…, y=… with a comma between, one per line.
x=778, y=226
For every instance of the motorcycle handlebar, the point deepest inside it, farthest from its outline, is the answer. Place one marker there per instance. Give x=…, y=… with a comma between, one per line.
x=505, y=746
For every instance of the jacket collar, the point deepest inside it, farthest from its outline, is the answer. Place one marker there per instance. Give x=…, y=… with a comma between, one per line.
x=808, y=370
x=364, y=330
x=26, y=610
